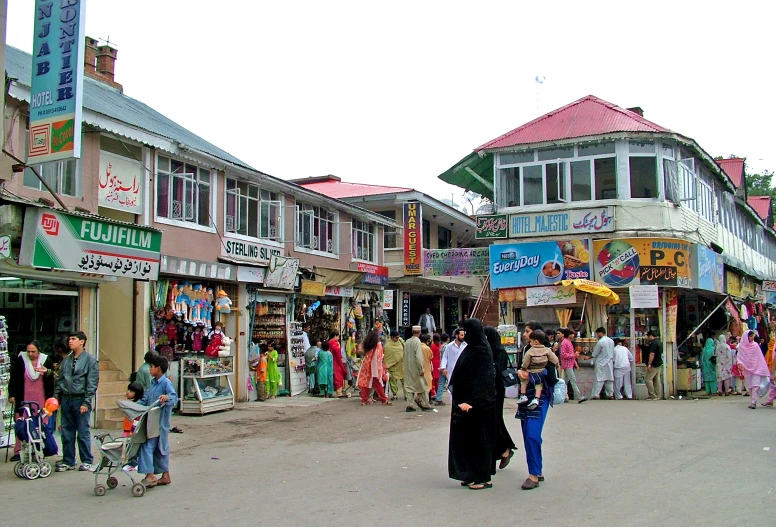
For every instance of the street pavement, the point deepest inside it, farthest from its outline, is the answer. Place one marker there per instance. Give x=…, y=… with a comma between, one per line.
x=626, y=463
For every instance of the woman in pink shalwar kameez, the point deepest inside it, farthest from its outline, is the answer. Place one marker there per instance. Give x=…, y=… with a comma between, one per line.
x=750, y=359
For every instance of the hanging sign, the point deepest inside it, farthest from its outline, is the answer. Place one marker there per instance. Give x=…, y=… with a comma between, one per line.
x=538, y=263
x=56, y=88
x=550, y=295
x=312, y=288
x=245, y=251
x=388, y=299
x=491, y=227
x=5, y=246
x=405, y=309
x=580, y=222
x=251, y=275
x=54, y=240
x=709, y=269
x=413, y=242
x=644, y=296
x=642, y=261
x=281, y=272
x=120, y=183
x=456, y=262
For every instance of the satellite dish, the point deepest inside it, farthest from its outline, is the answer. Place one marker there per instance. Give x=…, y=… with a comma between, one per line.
x=540, y=79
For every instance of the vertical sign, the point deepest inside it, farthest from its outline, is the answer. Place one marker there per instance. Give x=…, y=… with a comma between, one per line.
x=412, y=239
x=388, y=299
x=405, y=309
x=56, y=91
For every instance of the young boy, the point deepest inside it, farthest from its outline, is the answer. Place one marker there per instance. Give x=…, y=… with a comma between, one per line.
x=534, y=362
x=261, y=377
x=154, y=457
x=134, y=393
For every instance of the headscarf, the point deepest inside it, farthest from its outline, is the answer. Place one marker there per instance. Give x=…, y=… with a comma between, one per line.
x=722, y=344
x=500, y=357
x=750, y=356
x=708, y=348
x=30, y=367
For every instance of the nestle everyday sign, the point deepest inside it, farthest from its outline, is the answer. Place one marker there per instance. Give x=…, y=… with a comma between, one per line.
x=579, y=221
x=525, y=264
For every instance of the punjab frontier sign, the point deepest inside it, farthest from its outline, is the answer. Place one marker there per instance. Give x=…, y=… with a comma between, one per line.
x=56, y=91
x=412, y=239
x=53, y=240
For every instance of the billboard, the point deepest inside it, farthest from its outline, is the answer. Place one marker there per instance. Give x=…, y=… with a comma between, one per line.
x=642, y=261
x=413, y=243
x=456, y=262
x=538, y=263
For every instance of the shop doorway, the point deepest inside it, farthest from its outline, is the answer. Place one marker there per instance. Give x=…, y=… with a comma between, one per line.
x=418, y=305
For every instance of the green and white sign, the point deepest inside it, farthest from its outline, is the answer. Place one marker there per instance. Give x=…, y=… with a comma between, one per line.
x=54, y=240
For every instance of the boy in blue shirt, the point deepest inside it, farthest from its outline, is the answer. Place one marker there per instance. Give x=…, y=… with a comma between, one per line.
x=154, y=457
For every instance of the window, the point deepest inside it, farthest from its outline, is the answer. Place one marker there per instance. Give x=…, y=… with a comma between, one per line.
x=519, y=157
x=581, y=182
x=533, y=189
x=605, y=178
x=445, y=238
x=390, y=234
x=60, y=176
x=182, y=192
x=549, y=154
x=556, y=182
x=643, y=177
x=426, y=234
x=252, y=211
x=316, y=229
x=510, y=186
x=363, y=240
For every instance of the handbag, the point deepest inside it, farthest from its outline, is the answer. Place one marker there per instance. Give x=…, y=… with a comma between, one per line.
x=509, y=375
x=559, y=392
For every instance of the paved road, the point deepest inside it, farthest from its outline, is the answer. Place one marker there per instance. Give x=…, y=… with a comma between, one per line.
x=337, y=463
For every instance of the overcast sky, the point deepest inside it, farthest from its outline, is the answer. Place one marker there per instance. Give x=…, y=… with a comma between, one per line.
x=396, y=93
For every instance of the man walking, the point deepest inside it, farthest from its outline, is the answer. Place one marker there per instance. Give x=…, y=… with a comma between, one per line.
x=653, y=358
x=603, y=354
x=79, y=375
x=427, y=322
x=622, y=371
x=414, y=370
x=449, y=357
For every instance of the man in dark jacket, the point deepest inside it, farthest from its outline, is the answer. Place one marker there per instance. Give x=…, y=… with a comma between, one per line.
x=76, y=386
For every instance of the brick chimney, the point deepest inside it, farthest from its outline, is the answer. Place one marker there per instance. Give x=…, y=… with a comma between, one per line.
x=100, y=63
x=637, y=110
x=90, y=55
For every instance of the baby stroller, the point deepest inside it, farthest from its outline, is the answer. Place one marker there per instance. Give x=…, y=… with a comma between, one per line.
x=116, y=453
x=37, y=441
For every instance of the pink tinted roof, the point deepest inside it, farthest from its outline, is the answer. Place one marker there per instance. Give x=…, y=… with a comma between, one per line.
x=734, y=168
x=587, y=116
x=761, y=205
x=340, y=190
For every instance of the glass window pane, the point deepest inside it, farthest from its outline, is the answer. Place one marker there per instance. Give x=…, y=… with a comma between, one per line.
x=605, y=173
x=30, y=179
x=231, y=212
x=641, y=147
x=520, y=157
x=643, y=177
x=668, y=151
x=532, y=185
x=176, y=167
x=596, y=149
x=204, y=175
x=549, y=154
x=204, y=206
x=511, y=179
x=50, y=174
x=581, y=188
x=253, y=191
x=69, y=175
x=163, y=163
x=253, y=217
x=163, y=195
x=243, y=223
x=230, y=184
x=552, y=183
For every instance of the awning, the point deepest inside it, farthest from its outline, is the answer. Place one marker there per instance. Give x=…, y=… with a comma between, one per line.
x=337, y=278
x=473, y=173
x=593, y=288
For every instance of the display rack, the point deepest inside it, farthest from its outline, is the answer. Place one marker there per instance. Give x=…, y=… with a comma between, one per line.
x=205, y=384
x=269, y=323
x=296, y=364
x=8, y=438
x=510, y=339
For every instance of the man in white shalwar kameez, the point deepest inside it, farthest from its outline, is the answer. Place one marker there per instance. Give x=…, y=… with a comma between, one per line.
x=603, y=355
x=622, y=371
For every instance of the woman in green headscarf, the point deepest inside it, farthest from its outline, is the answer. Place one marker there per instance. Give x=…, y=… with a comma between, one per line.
x=709, y=367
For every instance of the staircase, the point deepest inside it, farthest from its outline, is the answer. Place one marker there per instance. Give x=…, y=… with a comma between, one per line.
x=487, y=306
x=113, y=386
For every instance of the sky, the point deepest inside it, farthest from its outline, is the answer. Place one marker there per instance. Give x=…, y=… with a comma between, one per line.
x=396, y=93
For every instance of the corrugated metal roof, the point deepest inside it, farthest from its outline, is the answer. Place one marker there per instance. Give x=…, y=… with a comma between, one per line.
x=761, y=205
x=341, y=190
x=584, y=117
x=109, y=101
x=734, y=168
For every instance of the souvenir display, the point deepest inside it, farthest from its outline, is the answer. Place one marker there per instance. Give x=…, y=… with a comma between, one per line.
x=8, y=438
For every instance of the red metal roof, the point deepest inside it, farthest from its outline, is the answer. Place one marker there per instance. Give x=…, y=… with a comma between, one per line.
x=340, y=190
x=734, y=168
x=587, y=116
x=761, y=205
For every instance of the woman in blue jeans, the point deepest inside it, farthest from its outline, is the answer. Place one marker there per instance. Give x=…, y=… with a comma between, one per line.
x=532, y=424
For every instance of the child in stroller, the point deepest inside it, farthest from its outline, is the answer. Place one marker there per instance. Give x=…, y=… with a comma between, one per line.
x=37, y=436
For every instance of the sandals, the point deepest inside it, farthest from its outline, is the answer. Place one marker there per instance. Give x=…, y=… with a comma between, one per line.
x=149, y=484
x=505, y=460
x=387, y=403
x=480, y=486
x=529, y=484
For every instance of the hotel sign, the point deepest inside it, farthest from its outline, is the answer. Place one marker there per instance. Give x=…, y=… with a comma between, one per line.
x=413, y=257
x=579, y=221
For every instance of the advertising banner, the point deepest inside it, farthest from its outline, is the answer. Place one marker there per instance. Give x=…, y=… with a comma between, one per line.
x=53, y=240
x=580, y=222
x=538, y=263
x=405, y=309
x=642, y=261
x=249, y=252
x=56, y=91
x=281, y=272
x=769, y=285
x=413, y=231
x=456, y=262
x=550, y=295
x=491, y=227
x=120, y=183
x=373, y=274
x=709, y=269
x=388, y=299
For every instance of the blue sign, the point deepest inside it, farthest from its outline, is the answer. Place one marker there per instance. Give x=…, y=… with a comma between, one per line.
x=525, y=264
x=56, y=90
x=711, y=270
x=374, y=279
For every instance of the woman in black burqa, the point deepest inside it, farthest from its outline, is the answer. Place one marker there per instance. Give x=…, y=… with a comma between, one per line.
x=503, y=446
x=472, y=420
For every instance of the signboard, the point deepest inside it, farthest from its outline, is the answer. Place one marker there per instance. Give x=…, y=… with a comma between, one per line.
x=375, y=279
x=251, y=275
x=769, y=285
x=491, y=227
x=120, y=183
x=56, y=90
x=346, y=291
x=578, y=222
x=550, y=295
x=281, y=272
x=197, y=268
x=54, y=240
x=456, y=262
x=405, y=309
x=644, y=296
x=312, y=288
x=5, y=246
x=538, y=263
x=709, y=269
x=732, y=283
x=413, y=242
x=388, y=299
x=642, y=261
x=368, y=268
x=245, y=251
